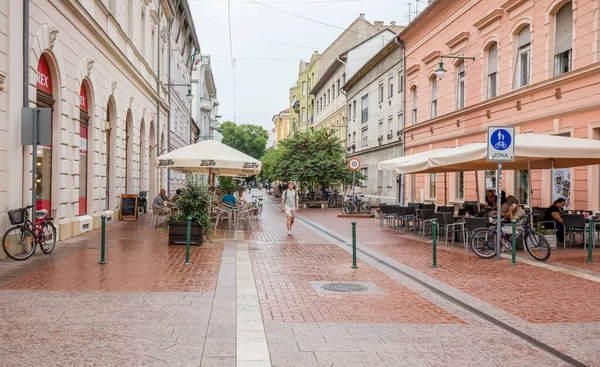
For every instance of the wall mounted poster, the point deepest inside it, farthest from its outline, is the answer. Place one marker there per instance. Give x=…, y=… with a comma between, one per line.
x=561, y=185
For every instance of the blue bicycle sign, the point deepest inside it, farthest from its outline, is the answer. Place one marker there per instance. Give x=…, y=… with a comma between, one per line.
x=501, y=139
x=500, y=145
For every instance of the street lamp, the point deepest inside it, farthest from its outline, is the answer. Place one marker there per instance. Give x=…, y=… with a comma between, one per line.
x=440, y=72
x=189, y=95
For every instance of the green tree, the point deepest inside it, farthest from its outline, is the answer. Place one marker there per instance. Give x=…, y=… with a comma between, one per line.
x=250, y=139
x=271, y=165
x=227, y=184
x=314, y=157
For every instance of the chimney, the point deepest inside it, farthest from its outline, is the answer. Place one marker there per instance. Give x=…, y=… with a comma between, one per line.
x=362, y=15
x=393, y=23
x=378, y=23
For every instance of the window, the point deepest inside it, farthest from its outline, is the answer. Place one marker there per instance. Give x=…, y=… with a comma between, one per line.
x=492, y=72
x=434, y=97
x=153, y=56
x=130, y=19
x=365, y=137
x=522, y=187
x=349, y=111
x=302, y=114
x=380, y=129
x=391, y=177
x=400, y=121
x=354, y=137
x=460, y=185
x=343, y=78
x=460, y=86
x=401, y=80
x=143, y=49
x=432, y=185
x=328, y=97
x=294, y=124
x=365, y=172
x=390, y=86
x=523, y=55
x=365, y=108
x=380, y=178
x=390, y=125
x=380, y=92
x=563, y=39
x=337, y=87
x=333, y=93
x=354, y=109
x=414, y=105
x=303, y=88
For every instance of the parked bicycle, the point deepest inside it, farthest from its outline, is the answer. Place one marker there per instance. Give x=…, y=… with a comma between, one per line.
x=19, y=242
x=355, y=205
x=257, y=203
x=483, y=242
x=335, y=199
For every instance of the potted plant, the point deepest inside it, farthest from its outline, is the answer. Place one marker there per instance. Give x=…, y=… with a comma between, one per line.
x=194, y=202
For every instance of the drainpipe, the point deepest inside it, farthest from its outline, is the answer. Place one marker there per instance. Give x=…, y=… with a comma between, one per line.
x=26, y=98
x=402, y=177
x=169, y=99
x=346, y=118
x=158, y=92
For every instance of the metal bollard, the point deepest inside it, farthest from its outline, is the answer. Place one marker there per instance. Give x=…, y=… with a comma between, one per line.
x=434, y=230
x=188, y=236
x=103, y=242
x=514, y=243
x=590, y=239
x=354, y=266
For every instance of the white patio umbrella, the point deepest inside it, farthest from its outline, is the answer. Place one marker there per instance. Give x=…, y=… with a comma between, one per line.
x=390, y=164
x=210, y=157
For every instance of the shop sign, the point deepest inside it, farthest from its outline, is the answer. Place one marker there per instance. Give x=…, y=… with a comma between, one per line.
x=44, y=82
x=83, y=99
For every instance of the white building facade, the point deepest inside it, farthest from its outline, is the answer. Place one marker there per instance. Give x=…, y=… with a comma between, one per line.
x=375, y=111
x=205, y=105
x=101, y=67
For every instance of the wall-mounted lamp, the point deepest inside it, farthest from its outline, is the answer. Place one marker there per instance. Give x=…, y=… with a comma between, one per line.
x=189, y=94
x=440, y=72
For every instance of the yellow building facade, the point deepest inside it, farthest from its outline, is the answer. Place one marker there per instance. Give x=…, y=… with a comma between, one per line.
x=281, y=123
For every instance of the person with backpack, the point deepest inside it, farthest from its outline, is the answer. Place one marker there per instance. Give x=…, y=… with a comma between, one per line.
x=289, y=204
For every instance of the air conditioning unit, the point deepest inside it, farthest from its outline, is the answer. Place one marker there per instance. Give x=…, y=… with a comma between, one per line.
x=399, y=133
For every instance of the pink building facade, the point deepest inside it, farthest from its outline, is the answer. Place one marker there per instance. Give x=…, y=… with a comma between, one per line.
x=536, y=68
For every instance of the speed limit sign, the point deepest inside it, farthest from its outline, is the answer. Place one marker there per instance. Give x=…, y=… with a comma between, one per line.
x=354, y=164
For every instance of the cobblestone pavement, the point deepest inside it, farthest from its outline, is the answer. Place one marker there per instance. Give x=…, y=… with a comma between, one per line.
x=253, y=299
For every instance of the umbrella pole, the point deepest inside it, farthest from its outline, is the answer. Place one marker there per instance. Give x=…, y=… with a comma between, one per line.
x=445, y=189
x=530, y=191
x=477, y=185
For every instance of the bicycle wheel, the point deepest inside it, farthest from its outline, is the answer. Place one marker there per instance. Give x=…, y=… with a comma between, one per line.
x=331, y=201
x=365, y=208
x=48, y=240
x=537, y=245
x=348, y=207
x=18, y=243
x=339, y=200
x=483, y=243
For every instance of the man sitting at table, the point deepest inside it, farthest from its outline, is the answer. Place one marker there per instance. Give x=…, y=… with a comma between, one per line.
x=229, y=199
x=160, y=200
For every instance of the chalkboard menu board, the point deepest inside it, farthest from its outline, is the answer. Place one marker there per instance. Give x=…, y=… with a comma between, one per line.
x=129, y=207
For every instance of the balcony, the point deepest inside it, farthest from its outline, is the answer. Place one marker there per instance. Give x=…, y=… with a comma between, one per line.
x=206, y=104
x=213, y=124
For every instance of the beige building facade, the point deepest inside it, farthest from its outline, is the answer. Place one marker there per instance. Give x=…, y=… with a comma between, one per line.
x=100, y=65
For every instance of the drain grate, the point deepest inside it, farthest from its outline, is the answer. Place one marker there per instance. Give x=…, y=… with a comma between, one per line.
x=344, y=287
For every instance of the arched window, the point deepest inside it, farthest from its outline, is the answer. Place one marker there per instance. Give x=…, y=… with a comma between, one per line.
x=434, y=96
x=563, y=39
x=523, y=64
x=460, y=85
x=413, y=91
x=492, y=71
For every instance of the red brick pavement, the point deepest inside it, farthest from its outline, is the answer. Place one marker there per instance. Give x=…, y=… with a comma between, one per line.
x=284, y=267
x=138, y=259
x=531, y=293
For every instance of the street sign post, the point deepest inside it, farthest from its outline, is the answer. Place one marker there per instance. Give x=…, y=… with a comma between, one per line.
x=354, y=165
x=500, y=148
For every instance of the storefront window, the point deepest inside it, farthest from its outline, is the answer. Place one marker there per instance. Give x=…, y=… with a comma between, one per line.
x=432, y=185
x=83, y=135
x=522, y=187
x=44, y=153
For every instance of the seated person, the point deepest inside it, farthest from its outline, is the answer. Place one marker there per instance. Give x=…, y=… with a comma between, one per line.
x=516, y=212
x=490, y=200
x=229, y=199
x=505, y=208
x=176, y=196
x=553, y=215
x=160, y=200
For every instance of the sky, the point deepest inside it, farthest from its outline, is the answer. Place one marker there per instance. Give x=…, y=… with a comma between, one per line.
x=268, y=45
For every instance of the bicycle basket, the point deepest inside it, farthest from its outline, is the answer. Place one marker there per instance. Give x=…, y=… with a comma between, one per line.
x=16, y=216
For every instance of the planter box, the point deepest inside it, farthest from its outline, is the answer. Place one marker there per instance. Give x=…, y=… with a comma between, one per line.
x=178, y=231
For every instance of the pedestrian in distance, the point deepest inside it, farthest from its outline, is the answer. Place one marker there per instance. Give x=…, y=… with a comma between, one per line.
x=289, y=205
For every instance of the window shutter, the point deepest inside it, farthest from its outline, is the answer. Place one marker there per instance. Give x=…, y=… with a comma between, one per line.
x=524, y=36
x=493, y=59
x=563, y=40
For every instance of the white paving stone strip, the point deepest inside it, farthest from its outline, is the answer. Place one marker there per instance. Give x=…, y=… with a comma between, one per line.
x=252, y=348
x=573, y=272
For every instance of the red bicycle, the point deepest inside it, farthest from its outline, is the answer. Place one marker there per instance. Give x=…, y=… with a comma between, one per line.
x=19, y=242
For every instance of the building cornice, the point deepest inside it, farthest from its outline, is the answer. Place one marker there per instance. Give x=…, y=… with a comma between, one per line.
x=457, y=40
x=510, y=5
x=412, y=69
x=374, y=149
x=434, y=55
x=488, y=19
x=584, y=72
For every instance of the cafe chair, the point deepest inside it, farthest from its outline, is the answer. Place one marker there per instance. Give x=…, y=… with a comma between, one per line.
x=447, y=224
x=574, y=225
x=159, y=211
x=387, y=215
x=426, y=218
x=471, y=225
